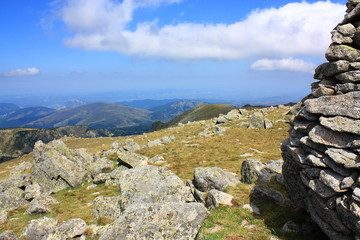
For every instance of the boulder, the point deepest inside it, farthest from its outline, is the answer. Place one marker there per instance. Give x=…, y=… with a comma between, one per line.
x=216, y=198
x=207, y=178
x=158, y=159
x=68, y=229
x=151, y=184
x=250, y=170
x=342, y=52
x=256, y=120
x=330, y=138
x=349, y=77
x=170, y=220
x=58, y=167
x=37, y=207
x=32, y=191
x=252, y=208
x=260, y=194
x=326, y=70
x=154, y=143
x=38, y=228
x=8, y=203
x=131, y=160
x=108, y=207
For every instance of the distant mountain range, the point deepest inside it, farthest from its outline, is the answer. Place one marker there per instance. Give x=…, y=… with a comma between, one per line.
x=94, y=115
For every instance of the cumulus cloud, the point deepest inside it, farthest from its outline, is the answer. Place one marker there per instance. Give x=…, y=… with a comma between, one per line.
x=285, y=64
x=300, y=28
x=21, y=72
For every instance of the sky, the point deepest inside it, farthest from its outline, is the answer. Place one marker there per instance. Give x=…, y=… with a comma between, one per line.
x=134, y=49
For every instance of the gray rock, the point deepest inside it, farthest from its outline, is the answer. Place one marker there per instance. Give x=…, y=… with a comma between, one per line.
x=348, y=182
x=317, y=186
x=131, y=160
x=108, y=207
x=158, y=159
x=207, y=178
x=350, y=217
x=216, y=198
x=21, y=168
x=37, y=207
x=326, y=70
x=342, y=52
x=344, y=157
x=166, y=139
x=256, y=120
x=349, y=77
x=260, y=194
x=150, y=184
x=347, y=105
x=322, y=91
x=336, y=167
x=347, y=87
x=327, y=137
x=58, y=167
x=8, y=203
x=332, y=180
x=198, y=195
x=102, y=178
x=315, y=161
x=131, y=146
x=303, y=125
x=180, y=221
x=68, y=229
x=38, y=228
x=339, y=38
x=221, y=119
x=252, y=208
x=268, y=124
x=341, y=124
x=154, y=143
x=250, y=170
x=8, y=235
x=347, y=30
x=32, y=191
x=100, y=165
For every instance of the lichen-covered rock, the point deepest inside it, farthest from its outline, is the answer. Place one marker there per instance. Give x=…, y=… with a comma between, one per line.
x=38, y=228
x=250, y=170
x=151, y=184
x=152, y=221
x=207, y=178
x=8, y=203
x=256, y=120
x=32, y=191
x=8, y=236
x=37, y=207
x=108, y=207
x=3, y=216
x=58, y=167
x=216, y=198
x=130, y=159
x=68, y=229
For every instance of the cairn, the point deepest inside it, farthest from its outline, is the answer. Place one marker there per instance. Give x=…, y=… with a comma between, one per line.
x=322, y=155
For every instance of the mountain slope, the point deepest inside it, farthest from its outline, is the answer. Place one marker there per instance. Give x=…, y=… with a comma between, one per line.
x=171, y=110
x=24, y=116
x=201, y=112
x=96, y=115
x=7, y=107
x=148, y=103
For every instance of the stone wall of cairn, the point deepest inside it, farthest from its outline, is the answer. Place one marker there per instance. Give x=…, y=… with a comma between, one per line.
x=322, y=156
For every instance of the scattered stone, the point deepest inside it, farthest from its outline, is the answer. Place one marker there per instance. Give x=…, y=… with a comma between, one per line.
x=260, y=194
x=256, y=120
x=38, y=228
x=250, y=170
x=36, y=207
x=252, y=208
x=158, y=159
x=154, y=143
x=207, y=178
x=68, y=229
x=32, y=191
x=216, y=198
x=180, y=221
x=102, y=178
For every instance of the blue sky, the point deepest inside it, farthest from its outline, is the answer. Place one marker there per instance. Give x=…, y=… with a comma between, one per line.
x=163, y=48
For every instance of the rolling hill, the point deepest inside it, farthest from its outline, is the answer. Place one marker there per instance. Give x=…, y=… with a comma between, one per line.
x=7, y=107
x=95, y=115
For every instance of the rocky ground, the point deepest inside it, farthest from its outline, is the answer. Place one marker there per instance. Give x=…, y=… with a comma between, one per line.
x=195, y=180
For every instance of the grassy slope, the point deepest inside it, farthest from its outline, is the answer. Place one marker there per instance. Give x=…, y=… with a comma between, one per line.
x=183, y=155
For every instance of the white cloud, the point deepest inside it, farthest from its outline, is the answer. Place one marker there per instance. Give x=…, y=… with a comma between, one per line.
x=285, y=64
x=294, y=29
x=21, y=72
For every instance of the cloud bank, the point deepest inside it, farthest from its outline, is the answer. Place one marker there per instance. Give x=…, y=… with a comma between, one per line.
x=289, y=31
x=285, y=64
x=21, y=72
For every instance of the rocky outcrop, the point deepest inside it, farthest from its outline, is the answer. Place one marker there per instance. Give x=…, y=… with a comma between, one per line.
x=321, y=157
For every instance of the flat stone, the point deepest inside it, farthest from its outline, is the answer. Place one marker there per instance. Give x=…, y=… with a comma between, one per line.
x=328, y=137
x=342, y=52
x=312, y=172
x=344, y=157
x=336, y=167
x=330, y=69
x=347, y=87
x=331, y=179
x=348, y=182
x=207, y=178
x=38, y=228
x=323, y=91
x=315, y=161
x=338, y=38
x=347, y=30
x=317, y=186
x=341, y=124
x=349, y=77
x=347, y=105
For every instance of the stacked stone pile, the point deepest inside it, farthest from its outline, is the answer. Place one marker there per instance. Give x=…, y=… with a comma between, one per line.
x=322, y=156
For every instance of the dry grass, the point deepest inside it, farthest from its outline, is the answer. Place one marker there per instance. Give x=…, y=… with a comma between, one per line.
x=188, y=151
